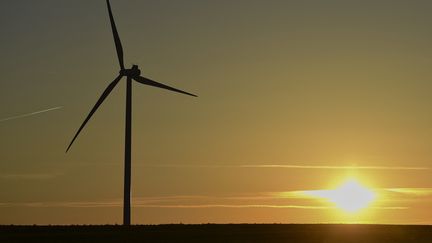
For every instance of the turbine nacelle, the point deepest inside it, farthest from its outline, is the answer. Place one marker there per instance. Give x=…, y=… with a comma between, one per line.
x=131, y=73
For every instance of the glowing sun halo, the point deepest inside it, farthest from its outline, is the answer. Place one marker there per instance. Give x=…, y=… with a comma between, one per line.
x=350, y=196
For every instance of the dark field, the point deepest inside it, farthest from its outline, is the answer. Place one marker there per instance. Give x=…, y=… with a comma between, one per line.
x=218, y=233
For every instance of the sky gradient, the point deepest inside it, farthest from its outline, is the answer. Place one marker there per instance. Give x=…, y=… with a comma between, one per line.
x=293, y=96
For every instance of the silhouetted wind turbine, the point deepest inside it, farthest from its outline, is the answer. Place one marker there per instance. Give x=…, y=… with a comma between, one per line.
x=130, y=74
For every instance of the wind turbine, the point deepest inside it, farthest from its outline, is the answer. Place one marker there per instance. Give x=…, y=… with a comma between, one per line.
x=130, y=74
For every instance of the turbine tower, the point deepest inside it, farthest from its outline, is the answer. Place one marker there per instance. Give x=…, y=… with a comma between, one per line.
x=130, y=74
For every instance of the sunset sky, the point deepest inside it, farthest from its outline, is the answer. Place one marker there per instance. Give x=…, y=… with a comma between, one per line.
x=295, y=98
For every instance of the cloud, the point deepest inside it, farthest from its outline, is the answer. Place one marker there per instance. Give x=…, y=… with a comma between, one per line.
x=411, y=191
x=275, y=200
x=29, y=176
x=30, y=114
x=235, y=206
x=118, y=204
x=138, y=205
x=293, y=166
x=265, y=166
x=391, y=208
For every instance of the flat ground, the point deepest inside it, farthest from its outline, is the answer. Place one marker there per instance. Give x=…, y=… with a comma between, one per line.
x=219, y=233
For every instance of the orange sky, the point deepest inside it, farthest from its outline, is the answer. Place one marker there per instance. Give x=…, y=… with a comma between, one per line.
x=294, y=96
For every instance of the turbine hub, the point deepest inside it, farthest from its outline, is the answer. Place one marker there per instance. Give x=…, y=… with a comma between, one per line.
x=131, y=73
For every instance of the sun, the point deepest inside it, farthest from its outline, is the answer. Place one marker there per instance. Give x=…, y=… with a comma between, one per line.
x=351, y=196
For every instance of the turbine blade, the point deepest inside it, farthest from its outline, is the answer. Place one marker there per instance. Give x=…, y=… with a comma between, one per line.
x=96, y=106
x=159, y=85
x=116, y=36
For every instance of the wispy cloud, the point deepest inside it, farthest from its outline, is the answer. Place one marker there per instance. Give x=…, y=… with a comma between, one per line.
x=411, y=191
x=292, y=166
x=118, y=203
x=30, y=114
x=391, y=208
x=275, y=200
x=235, y=206
x=337, y=167
x=29, y=176
x=267, y=166
x=138, y=205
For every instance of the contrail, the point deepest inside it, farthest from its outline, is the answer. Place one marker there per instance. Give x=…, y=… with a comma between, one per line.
x=30, y=114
